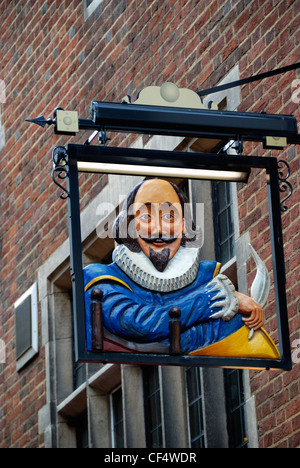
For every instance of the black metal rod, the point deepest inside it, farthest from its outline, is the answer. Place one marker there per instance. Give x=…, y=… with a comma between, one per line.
x=250, y=79
x=135, y=156
x=278, y=262
x=76, y=259
x=136, y=118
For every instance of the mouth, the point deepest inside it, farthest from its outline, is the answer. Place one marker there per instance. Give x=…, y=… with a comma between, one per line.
x=158, y=241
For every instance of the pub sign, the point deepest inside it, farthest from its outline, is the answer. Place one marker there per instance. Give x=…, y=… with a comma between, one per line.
x=159, y=302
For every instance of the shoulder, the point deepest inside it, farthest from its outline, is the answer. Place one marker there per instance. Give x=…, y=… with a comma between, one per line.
x=110, y=274
x=97, y=272
x=208, y=269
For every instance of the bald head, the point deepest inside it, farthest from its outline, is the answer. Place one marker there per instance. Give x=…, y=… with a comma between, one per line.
x=158, y=218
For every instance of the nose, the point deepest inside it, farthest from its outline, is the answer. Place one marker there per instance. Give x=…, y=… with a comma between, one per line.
x=155, y=227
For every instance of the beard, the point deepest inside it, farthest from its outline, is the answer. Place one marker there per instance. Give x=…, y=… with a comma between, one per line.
x=160, y=259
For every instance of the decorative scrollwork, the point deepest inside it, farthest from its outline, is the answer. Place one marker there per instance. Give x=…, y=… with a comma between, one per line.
x=60, y=168
x=284, y=184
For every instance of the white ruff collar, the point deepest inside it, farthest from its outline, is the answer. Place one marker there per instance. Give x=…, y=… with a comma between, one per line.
x=181, y=270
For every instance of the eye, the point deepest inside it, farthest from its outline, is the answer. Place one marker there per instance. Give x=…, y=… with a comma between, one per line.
x=168, y=216
x=145, y=217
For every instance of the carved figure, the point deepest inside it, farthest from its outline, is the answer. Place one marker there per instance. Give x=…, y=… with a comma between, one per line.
x=156, y=266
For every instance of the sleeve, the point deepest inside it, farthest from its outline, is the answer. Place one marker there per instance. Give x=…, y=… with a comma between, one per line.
x=137, y=315
x=128, y=315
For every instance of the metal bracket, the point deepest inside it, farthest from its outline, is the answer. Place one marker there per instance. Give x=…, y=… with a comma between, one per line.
x=239, y=146
x=103, y=138
x=60, y=168
x=284, y=185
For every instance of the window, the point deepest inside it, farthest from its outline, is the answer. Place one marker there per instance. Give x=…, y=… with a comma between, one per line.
x=225, y=250
x=153, y=417
x=235, y=402
x=195, y=406
x=90, y=6
x=223, y=225
x=117, y=418
x=26, y=326
x=81, y=430
x=79, y=373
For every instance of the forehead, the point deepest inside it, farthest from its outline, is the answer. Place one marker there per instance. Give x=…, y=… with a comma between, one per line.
x=156, y=191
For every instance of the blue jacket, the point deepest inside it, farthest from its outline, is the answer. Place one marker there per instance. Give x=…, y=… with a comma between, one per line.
x=140, y=315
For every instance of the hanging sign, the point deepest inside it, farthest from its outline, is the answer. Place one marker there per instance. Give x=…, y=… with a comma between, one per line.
x=158, y=302
x=159, y=297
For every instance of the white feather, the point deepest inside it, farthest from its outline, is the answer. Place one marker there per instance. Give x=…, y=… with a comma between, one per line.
x=261, y=285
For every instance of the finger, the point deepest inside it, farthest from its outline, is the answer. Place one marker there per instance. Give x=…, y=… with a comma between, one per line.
x=256, y=314
x=217, y=315
x=251, y=321
x=218, y=304
x=254, y=323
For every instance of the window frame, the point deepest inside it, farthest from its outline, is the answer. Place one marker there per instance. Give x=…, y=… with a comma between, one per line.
x=237, y=407
x=226, y=210
x=114, y=442
x=157, y=393
x=199, y=399
x=33, y=348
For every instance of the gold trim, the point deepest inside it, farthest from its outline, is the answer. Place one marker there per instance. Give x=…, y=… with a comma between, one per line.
x=217, y=269
x=239, y=345
x=103, y=278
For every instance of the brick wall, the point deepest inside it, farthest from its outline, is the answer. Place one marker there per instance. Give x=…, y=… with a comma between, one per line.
x=51, y=57
x=274, y=35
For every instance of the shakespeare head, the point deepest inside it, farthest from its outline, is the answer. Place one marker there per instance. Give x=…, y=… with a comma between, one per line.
x=156, y=220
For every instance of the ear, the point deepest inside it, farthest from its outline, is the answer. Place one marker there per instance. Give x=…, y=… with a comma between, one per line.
x=184, y=231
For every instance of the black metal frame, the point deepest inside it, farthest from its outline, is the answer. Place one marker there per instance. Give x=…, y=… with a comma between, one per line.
x=75, y=153
x=208, y=123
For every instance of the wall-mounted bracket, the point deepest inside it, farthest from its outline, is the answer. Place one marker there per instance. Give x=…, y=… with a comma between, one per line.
x=60, y=168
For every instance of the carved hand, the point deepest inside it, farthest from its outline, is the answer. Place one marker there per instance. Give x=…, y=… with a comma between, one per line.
x=255, y=314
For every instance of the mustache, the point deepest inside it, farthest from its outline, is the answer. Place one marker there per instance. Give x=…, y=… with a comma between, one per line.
x=158, y=238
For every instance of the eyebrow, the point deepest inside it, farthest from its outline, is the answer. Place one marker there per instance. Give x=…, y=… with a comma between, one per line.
x=170, y=204
x=150, y=205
